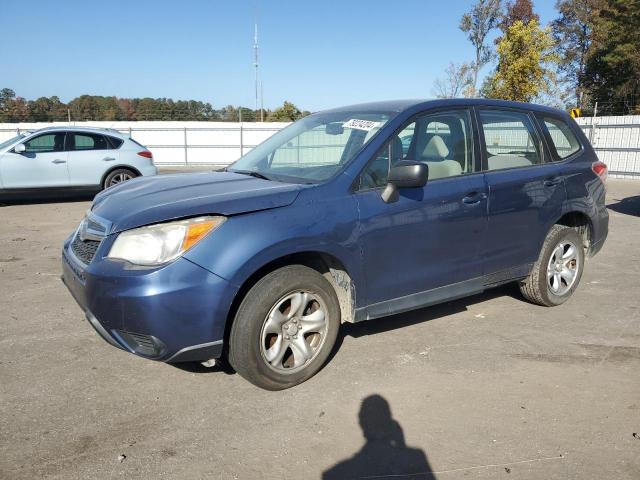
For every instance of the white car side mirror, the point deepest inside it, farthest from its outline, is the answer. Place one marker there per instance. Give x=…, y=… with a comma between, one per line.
x=20, y=148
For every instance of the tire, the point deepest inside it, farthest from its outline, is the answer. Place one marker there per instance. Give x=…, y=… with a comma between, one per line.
x=265, y=342
x=540, y=287
x=119, y=175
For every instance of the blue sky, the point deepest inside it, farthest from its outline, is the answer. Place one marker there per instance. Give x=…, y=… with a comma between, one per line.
x=315, y=54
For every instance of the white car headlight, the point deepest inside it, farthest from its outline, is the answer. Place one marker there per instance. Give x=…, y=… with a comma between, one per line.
x=163, y=242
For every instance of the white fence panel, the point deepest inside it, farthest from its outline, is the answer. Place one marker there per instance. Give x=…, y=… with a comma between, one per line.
x=179, y=143
x=615, y=139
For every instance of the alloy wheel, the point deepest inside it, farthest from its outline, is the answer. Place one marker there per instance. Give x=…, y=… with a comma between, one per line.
x=562, y=268
x=293, y=332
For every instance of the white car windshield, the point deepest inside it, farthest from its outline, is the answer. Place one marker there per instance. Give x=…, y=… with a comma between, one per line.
x=314, y=148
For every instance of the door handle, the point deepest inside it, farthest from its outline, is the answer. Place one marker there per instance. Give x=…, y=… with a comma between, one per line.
x=108, y=159
x=550, y=182
x=57, y=161
x=474, y=198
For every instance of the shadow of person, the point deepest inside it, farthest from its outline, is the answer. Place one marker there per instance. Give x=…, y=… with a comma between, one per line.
x=385, y=453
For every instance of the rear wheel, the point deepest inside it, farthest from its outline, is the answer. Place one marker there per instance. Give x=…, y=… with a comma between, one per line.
x=119, y=175
x=557, y=273
x=285, y=328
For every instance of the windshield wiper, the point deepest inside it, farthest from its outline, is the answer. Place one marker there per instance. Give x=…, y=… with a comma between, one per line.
x=251, y=173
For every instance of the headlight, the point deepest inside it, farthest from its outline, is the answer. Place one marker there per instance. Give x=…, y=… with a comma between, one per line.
x=161, y=243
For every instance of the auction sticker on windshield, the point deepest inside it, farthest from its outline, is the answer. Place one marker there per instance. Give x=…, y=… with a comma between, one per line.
x=366, y=125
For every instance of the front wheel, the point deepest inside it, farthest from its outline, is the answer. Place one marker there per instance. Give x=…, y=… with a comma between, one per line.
x=285, y=328
x=557, y=273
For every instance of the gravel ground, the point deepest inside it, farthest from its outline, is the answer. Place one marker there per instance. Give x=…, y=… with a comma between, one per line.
x=485, y=387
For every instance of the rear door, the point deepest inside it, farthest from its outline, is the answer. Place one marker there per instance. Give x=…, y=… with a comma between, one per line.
x=526, y=190
x=431, y=236
x=43, y=163
x=90, y=156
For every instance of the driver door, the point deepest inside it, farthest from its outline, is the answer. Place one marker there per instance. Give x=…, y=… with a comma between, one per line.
x=425, y=246
x=42, y=164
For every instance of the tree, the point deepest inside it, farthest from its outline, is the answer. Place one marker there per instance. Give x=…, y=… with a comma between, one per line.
x=127, y=108
x=477, y=23
x=288, y=112
x=94, y=107
x=457, y=82
x=572, y=32
x=525, y=55
x=6, y=96
x=84, y=107
x=229, y=114
x=612, y=70
x=521, y=10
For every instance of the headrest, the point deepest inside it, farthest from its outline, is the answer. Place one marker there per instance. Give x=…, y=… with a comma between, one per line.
x=436, y=149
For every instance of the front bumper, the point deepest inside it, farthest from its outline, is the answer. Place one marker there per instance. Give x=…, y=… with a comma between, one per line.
x=174, y=313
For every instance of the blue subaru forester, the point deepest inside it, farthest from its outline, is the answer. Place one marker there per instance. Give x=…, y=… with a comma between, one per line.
x=347, y=215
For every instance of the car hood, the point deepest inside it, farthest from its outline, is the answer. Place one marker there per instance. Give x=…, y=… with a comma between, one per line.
x=148, y=200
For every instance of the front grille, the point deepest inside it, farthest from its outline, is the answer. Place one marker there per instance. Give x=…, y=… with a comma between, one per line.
x=84, y=250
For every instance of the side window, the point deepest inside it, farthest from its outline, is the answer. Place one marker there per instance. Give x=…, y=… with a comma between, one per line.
x=49, y=142
x=114, y=142
x=441, y=140
x=89, y=141
x=563, y=139
x=510, y=139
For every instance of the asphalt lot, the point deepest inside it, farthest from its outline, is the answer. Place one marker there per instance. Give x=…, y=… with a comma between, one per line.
x=485, y=387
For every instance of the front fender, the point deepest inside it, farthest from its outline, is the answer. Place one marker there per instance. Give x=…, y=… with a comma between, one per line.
x=245, y=243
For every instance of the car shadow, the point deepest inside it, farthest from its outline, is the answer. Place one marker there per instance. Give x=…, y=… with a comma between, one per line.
x=627, y=206
x=385, y=453
x=380, y=325
x=401, y=320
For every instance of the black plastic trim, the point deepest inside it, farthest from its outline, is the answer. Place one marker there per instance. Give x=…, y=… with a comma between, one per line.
x=198, y=353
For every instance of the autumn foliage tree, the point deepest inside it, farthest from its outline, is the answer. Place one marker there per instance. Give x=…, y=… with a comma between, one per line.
x=525, y=60
x=517, y=10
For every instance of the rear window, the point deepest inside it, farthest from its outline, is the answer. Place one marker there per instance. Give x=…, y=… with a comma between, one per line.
x=89, y=141
x=562, y=137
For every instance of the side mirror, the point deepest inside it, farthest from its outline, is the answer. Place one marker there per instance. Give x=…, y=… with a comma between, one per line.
x=405, y=174
x=20, y=148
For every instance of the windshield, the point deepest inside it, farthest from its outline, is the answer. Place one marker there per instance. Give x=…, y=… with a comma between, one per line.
x=5, y=144
x=314, y=148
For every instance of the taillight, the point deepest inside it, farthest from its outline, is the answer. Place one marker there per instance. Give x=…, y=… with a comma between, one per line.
x=600, y=169
x=148, y=154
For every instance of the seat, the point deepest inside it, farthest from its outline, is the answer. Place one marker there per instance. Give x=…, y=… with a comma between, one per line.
x=58, y=142
x=435, y=150
x=435, y=156
x=498, y=162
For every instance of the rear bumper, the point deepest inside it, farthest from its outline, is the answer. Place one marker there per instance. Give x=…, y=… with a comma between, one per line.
x=174, y=313
x=149, y=171
x=600, y=230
